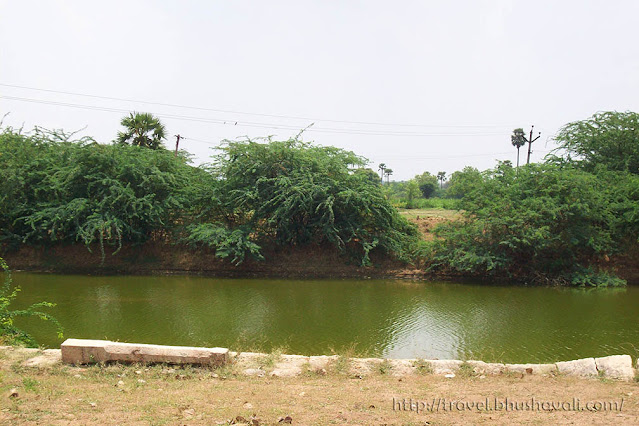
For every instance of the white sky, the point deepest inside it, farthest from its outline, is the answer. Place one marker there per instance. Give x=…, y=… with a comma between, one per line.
x=463, y=74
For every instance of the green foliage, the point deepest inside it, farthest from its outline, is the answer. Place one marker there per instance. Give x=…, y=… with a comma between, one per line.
x=54, y=190
x=546, y=223
x=463, y=182
x=234, y=243
x=9, y=333
x=609, y=139
x=427, y=184
x=295, y=193
x=142, y=129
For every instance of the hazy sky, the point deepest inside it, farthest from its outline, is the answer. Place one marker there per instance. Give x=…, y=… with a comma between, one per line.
x=418, y=85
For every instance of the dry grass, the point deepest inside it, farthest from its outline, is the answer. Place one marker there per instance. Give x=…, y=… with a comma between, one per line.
x=164, y=395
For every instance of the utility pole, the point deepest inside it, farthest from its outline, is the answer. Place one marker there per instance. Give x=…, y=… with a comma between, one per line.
x=530, y=141
x=177, y=143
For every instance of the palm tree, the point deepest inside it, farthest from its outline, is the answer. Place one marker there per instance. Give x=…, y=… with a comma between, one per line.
x=518, y=139
x=441, y=176
x=382, y=167
x=142, y=129
x=388, y=172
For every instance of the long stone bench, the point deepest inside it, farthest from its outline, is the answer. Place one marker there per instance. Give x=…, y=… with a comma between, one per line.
x=81, y=351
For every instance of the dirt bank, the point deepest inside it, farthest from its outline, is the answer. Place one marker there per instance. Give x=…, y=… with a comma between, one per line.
x=138, y=394
x=156, y=257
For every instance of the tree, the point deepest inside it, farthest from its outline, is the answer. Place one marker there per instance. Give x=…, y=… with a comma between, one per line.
x=518, y=139
x=427, y=184
x=142, y=129
x=388, y=173
x=412, y=192
x=609, y=139
x=382, y=167
x=462, y=182
x=548, y=224
x=441, y=176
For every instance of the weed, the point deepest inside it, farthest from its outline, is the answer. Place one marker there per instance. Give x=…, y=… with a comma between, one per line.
x=384, y=367
x=466, y=370
x=422, y=366
x=30, y=385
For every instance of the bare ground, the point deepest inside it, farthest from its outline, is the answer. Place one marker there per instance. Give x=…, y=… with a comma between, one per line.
x=160, y=394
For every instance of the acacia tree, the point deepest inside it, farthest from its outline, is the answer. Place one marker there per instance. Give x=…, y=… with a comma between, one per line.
x=142, y=129
x=518, y=139
x=607, y=138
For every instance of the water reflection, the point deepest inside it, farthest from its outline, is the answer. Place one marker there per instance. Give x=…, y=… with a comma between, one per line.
x=381, y=318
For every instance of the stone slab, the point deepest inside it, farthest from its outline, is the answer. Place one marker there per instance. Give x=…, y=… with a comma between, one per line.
x=402, y=367
x=444, y=366
x=81, y=351
x=580, y=367
x=532, y=368
x=48, y=358
x=321, y=361
x=616, y=367
x=481, y=367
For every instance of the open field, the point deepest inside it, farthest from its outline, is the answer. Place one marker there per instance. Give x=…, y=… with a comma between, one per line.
x=183, y=395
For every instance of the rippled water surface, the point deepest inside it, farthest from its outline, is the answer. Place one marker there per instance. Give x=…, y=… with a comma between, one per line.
x=395, y=319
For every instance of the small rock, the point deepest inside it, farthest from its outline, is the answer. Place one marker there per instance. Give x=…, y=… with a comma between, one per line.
x=321, y=371
x=120, y=383
x=138, y=372
x=248, y=405
x=188, y=413
x=77, y=376
x=141, y=381
x=482, y=377
x=13, y=393
x=302, y=393
x=93, y=404
x=450, y=375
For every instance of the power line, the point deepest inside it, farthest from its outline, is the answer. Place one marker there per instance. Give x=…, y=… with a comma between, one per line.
x=293, y=117
x=249, y=123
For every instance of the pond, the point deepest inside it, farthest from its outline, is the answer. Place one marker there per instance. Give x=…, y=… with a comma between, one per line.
x=380, y=318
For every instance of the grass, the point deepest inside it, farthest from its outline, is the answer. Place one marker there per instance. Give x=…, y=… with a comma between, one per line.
x=427, y=203
x=162, y=394
x=384, y=367
x=423, y=367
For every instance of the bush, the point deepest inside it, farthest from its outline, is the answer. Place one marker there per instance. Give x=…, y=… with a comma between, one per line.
x=9, y=333
x=294, y=193
x=545, y=223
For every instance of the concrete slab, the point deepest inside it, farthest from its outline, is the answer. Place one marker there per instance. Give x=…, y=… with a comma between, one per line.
x=481, y=367
x=580, y=367
x=444, y=366
x=616, y=367
x=532, y=368
x=48, y=358
x=81, y=351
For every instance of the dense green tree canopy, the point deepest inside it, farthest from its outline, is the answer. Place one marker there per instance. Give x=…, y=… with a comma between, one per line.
x=609, y=139
x=296, y=193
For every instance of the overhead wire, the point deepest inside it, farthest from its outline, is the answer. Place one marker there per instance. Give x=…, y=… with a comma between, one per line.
x=230, y=122
x=293, y=117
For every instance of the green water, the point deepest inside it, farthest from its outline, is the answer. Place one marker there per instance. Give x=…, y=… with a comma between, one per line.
x=395, y=319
